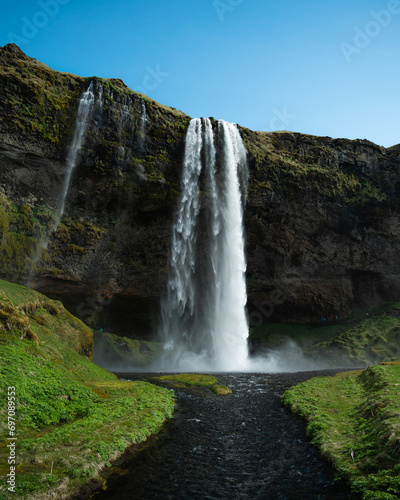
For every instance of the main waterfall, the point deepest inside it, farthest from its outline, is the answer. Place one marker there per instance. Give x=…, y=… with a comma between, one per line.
x=204, y=324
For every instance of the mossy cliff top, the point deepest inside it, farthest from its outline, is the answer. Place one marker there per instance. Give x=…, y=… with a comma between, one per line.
x=35, y=101
x=356, y=170
x=38, y=105
x=60, y=400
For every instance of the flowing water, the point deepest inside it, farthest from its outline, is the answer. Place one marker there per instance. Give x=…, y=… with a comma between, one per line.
x=204, y=324
x=143, y=123
x=242, y=446
x=85, y=107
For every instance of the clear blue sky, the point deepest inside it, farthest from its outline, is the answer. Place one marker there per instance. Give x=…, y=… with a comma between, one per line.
x=318, y=67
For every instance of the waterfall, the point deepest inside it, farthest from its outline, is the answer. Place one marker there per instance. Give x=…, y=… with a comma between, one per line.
x=204, y=323
x=230, y=319
x=85, y=107
x=143, y=123
x=100, y=96
x=180, y=308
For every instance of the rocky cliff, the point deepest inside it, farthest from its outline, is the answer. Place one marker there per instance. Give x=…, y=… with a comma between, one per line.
x=322, y=223
x=321, y=220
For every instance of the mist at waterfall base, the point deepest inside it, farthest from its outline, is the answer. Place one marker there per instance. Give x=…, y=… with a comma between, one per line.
x=289, y=357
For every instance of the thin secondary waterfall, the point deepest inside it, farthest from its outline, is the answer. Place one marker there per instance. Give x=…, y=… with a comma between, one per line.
x=85, y=107
x=204, y=323
x=143, y=123
x=100, y=96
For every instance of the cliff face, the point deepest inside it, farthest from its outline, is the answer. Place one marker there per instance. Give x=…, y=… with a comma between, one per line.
x=323, y=225
x=107, y=259
x=322, y=215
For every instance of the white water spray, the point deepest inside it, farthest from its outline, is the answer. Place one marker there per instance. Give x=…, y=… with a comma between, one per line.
x=204, y=322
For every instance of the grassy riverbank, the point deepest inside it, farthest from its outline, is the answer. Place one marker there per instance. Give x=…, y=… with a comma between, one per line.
x=354, y=418
x=72, y=418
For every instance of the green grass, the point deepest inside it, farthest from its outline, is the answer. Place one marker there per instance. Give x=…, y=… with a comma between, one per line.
x=221, y=390
x=72, y=417
x=369, y=341
x=199, y=380
x=354, y=418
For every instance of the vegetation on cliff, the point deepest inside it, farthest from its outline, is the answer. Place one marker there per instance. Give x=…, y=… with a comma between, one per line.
x=354, y=418
x=72, y=418
x=303, y=162
x=20, y=236
x=363, y=339
x=36, y=102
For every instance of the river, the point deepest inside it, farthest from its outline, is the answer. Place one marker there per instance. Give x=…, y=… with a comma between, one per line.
x=242, y=446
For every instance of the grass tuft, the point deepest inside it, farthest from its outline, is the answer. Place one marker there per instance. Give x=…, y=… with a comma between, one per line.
x=198, y=380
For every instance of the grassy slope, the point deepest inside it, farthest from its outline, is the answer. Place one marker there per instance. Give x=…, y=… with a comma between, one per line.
x=354, y=418
x=70, y=413
x=358, y=341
